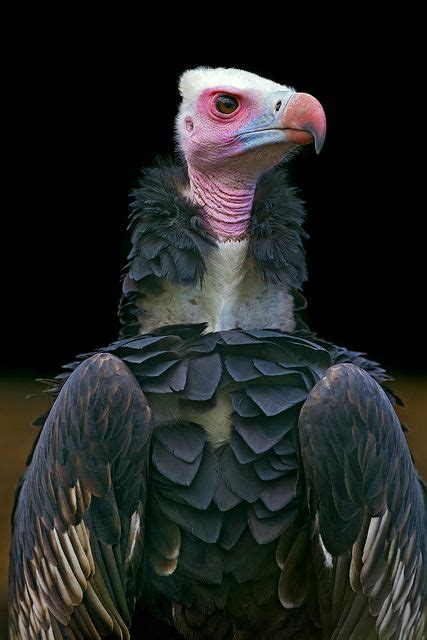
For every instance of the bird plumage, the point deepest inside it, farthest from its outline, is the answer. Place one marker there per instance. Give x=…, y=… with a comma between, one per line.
x=228, y=474
x=178, y=269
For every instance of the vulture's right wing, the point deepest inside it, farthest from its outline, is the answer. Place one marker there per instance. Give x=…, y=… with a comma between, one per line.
x=368, y=502
x=79, y=517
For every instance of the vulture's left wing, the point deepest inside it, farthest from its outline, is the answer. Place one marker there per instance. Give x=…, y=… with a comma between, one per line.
x=79, y=517
x=368, y=506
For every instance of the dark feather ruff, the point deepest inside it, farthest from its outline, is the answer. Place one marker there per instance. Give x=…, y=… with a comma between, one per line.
x=171, y=241
x=276, y=234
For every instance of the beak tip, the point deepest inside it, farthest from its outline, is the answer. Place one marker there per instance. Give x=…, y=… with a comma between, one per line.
x=319, y=135
x=318, y=144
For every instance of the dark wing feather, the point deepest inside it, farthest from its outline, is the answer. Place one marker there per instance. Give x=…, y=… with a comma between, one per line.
x=367, y=497
x=78, y=530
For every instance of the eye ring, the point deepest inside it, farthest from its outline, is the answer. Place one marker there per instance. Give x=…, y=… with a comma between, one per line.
x=226, y=104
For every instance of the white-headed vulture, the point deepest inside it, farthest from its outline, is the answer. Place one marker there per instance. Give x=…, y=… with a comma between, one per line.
x=219, y=472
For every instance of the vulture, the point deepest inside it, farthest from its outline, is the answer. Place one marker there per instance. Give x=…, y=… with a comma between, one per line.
x=219, y=472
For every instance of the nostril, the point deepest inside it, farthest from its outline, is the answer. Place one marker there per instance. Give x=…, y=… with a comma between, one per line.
x=189, y=125
x=278, y=105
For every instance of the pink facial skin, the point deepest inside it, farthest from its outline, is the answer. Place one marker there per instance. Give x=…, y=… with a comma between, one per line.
x=227, y=153
x=222, y=180
x=213, y=138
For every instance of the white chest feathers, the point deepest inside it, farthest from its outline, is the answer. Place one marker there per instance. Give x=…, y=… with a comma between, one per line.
x=230, y=296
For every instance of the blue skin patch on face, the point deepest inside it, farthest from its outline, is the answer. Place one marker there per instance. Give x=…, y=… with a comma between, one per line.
x=257, y=139
x=266, y=129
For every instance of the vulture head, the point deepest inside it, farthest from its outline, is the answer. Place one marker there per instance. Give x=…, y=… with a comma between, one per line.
x=232, y=127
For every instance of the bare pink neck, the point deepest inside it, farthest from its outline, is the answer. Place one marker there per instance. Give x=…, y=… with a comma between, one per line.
x=226, y=199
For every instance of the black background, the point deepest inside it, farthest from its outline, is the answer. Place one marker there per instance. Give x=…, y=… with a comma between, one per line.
x=93, y=98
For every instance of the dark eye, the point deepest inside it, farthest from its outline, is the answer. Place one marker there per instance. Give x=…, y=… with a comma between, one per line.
x=226, y=104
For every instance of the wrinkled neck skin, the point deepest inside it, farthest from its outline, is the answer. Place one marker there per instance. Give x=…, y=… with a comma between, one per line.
x=226, y=198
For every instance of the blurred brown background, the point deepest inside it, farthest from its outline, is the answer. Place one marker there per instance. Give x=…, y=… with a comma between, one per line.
x=16, y=437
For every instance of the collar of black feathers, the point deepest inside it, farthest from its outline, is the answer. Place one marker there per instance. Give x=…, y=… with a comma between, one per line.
x=171, y=240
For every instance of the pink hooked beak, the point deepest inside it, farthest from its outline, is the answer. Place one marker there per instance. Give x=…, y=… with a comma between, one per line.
x=304, y=121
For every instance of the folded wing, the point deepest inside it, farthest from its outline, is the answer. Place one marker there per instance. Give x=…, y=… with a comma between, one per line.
x=79, y=516
x=368, y=507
